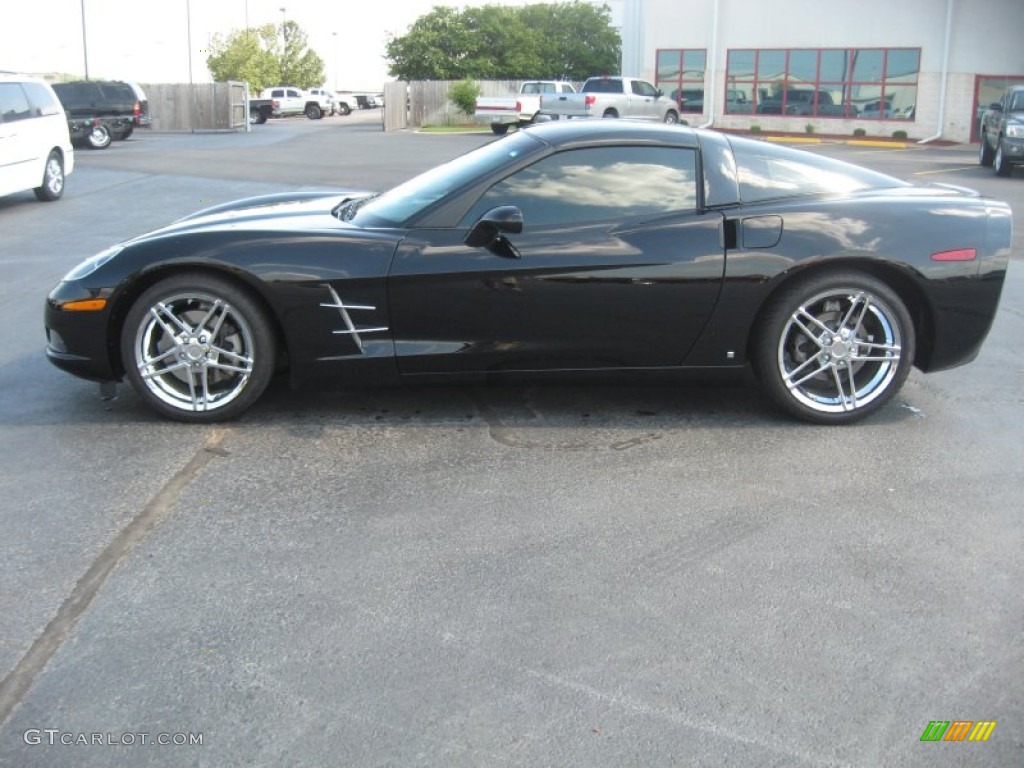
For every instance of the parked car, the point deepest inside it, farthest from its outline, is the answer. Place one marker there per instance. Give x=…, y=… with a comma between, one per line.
x=35, y=148
x=97, y=132
x=86, y=99
x=523, y=108
x=800, y=101
x=1002, y=132
x=345, y=103
x=576, y=249
x=286, y=100
x=324, y=98
x=612, y=97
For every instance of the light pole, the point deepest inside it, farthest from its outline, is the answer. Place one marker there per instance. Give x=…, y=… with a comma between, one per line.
x=335, y=36
x=284, y=28
x=85, y=49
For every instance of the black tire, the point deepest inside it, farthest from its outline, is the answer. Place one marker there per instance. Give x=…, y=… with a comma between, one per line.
x=52, y=187
x=831, y=381
x=610, y=113
x=1002, y=167
x=672, y=117
x=499, y=129
x=987, y=154
x=98, y=137
x=219, y=358
x=344, y=109
x=313, y=111
x=257, y=116
x=128, y=131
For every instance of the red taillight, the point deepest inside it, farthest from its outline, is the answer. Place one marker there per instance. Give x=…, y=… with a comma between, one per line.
x=963, y=254
x=589, y=99
x=519, y=106
x=136, y=110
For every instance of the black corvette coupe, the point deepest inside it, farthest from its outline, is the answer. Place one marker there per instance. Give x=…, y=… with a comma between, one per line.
x=577, y=248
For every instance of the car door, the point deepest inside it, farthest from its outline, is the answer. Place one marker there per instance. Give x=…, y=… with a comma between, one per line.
x=644, y=101
x=17, y=154
x=616, y=267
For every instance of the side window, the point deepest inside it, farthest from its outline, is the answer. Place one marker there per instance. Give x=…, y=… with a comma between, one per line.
x=277, y=93
x=640, y=88
x=13, y=103
x=293, y=94
x=601, y=183
x=41, y=100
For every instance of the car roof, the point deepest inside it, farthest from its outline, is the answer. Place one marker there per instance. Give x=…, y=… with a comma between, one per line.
x=561, y=133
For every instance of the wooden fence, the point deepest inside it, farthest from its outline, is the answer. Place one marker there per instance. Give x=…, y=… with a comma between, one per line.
x=426, y=102
x=180, y=107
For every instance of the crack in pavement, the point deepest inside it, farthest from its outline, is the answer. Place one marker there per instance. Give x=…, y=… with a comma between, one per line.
x=20, y=680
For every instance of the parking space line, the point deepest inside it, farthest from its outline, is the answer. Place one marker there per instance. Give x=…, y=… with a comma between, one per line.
x=946, y=170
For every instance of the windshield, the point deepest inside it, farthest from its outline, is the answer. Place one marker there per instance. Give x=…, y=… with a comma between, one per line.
x=404, y=202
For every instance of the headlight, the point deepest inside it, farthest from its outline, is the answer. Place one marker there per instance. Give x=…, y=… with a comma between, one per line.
x=93, y=263
x=1015, y=130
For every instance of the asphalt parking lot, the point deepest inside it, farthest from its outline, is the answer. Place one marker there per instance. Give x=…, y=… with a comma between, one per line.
x=509, y=576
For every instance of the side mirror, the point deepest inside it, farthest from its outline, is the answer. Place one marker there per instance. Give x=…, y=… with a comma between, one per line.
x=489, y=227
x=659, y=93
x=996, y=106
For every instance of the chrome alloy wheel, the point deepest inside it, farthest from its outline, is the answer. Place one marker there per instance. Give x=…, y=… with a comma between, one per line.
x=53, y=178
x=840, y=350
x=194, y=351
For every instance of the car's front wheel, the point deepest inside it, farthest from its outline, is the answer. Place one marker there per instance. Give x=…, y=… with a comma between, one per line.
x=1003, y=168
x=98, y=137
x=198, y=348
x=53, y=179
x=987, y=154
x=313, y=112
x=833, y=348
x=671, y=116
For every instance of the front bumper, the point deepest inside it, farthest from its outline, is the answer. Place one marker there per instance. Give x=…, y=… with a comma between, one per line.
x=1013, y=150
x=78, y=342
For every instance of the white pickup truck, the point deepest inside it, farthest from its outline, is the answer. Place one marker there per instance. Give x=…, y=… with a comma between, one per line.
x=287, y=100
x=612, y=97
x=502, y=112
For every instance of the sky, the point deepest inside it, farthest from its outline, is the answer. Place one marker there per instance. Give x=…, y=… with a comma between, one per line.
x=146, y=41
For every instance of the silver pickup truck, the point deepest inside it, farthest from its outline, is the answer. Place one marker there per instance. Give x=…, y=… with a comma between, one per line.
x=612, y=97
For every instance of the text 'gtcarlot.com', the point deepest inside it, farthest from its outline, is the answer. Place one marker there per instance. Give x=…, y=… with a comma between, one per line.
x=56, y=736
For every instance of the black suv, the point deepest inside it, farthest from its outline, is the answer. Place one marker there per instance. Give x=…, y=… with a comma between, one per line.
x=90, y=99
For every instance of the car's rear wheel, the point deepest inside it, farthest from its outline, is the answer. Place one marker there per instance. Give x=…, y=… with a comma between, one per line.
x=128, y=131
x=98, y=137
x=610, y=113
x=344, y=109
x=834, y=348
x=987, y=154
x=313, y=112
x=53, y=179
x=198, y=348
x=499, y=129
x=1003, y=168
x=257, y=116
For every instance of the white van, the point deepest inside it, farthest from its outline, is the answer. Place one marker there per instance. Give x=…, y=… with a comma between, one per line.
x=35, y=149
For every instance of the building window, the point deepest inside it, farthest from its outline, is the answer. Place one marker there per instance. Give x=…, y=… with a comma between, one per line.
x=869, y=83
x=681, y=77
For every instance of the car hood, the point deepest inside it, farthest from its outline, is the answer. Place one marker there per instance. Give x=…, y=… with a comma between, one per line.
x=289, y=210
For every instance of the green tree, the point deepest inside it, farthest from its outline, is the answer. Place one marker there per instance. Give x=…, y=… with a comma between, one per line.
x=258, y=57
x=569, y=39
x=300, y=65
x=248, y=55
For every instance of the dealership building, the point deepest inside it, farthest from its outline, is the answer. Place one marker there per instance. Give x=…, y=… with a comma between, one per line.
x=927, y=67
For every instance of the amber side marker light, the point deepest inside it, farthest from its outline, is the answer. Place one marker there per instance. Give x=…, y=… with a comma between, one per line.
x=964, y=254
x=85, y=305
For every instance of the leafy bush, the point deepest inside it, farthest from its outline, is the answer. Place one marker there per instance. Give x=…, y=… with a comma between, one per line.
x=464, y=94
x=809, y=128
x=859, y=132
x=755, y=128
x=899, y=134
